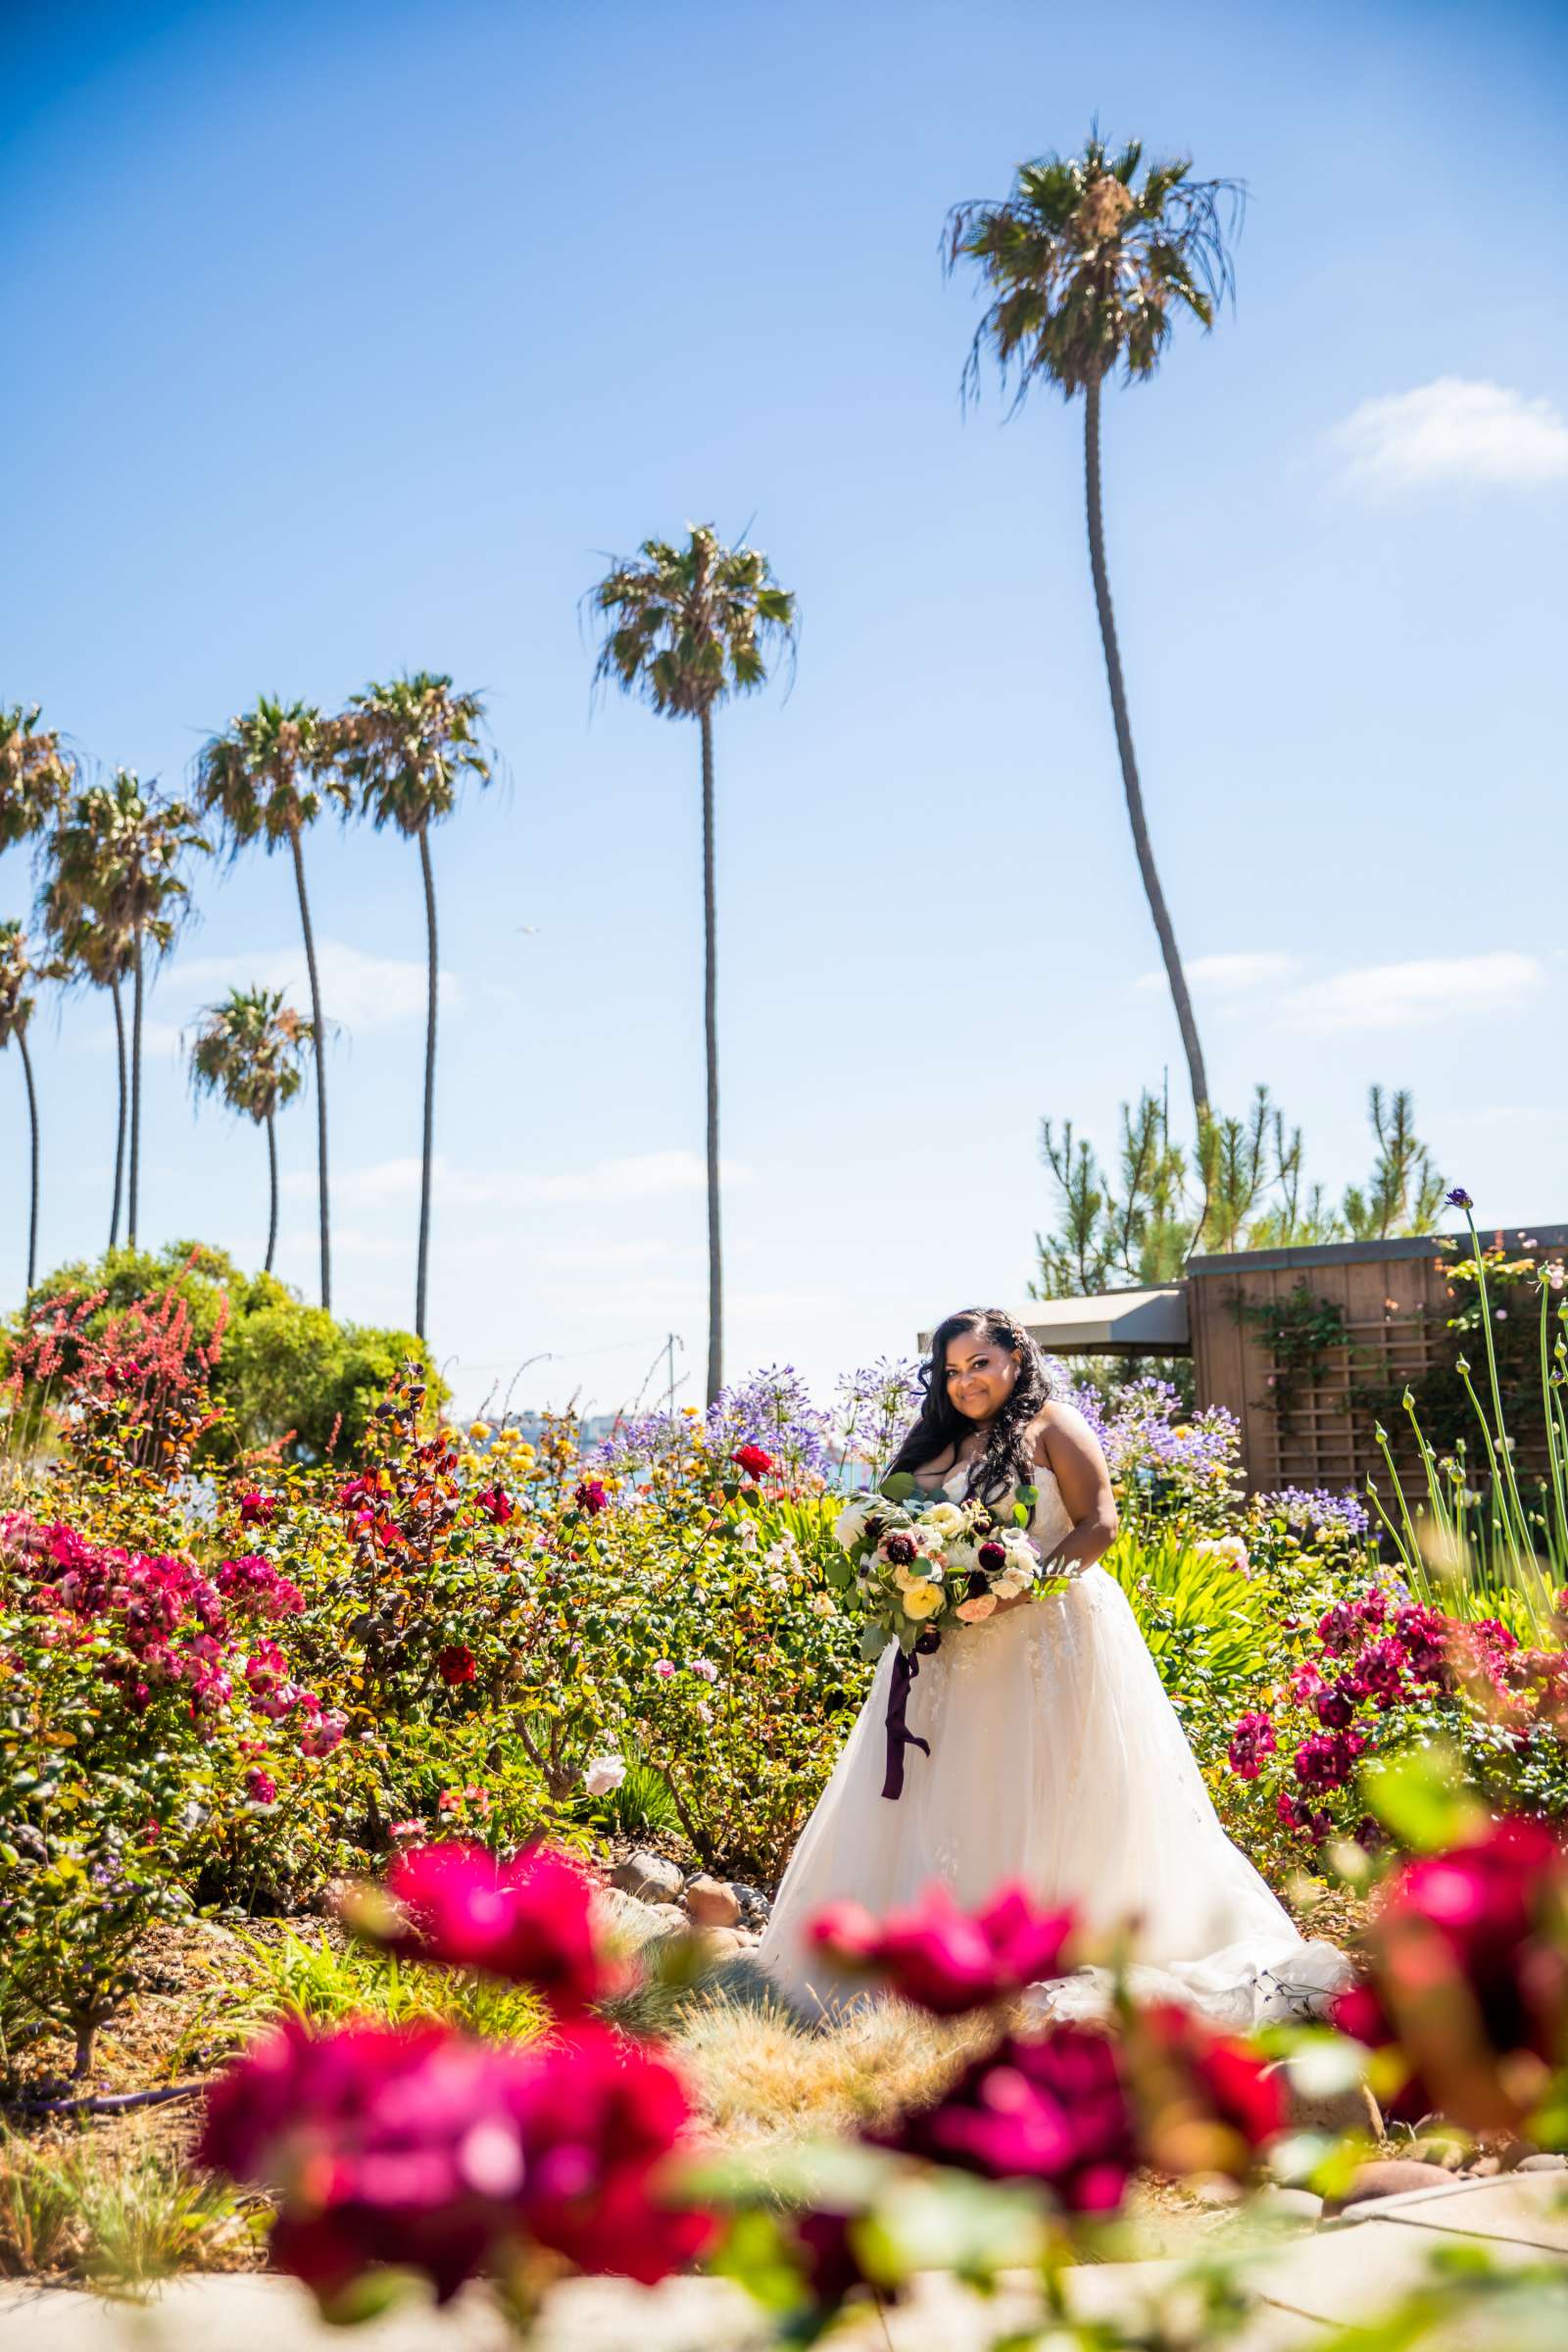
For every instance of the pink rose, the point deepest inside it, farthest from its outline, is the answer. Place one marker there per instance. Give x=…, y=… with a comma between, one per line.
x=971, y=1612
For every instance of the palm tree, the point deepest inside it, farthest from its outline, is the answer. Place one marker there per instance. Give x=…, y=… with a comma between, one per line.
x=249, y=1049
x=89, y=947
x=16, y=1010
x=406, y=747
x=684, y=628
x=116, y=858
x=1084, y=272
x=268, y=778
x=36, y=774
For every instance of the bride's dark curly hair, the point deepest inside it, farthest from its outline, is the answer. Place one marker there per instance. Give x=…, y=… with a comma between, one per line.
x=1008, y=1452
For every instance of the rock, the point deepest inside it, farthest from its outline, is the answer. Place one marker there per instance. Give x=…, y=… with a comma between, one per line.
x=1514, y=2152
x=756, y=1908
x=1485, y=2168
x=1389, y=2177
x=712, y=1905
x=1213, y=2190
x=629, y=1920
x=1542, y=2164
x=722, y=1944
x=649, y=1877
x=1335, y=2112
x=1299, y=2206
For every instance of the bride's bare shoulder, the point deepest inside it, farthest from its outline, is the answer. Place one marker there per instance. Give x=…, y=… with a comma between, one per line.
x=1063, y=1424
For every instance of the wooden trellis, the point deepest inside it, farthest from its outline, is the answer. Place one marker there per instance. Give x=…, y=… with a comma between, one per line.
x=1395, y=1301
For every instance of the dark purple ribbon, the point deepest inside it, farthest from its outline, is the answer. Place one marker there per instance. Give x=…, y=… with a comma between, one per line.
x=905, y=1666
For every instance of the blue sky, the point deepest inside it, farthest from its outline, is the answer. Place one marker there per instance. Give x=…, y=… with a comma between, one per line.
x=348, y=338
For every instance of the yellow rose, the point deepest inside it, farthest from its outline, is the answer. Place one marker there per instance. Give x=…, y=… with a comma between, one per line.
x=479, y=1430
x=923, y=1599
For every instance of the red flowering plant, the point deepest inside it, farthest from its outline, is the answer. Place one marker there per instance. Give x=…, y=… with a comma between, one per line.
x=1380, y=1672
x=147, y=1721
x=426, y=2150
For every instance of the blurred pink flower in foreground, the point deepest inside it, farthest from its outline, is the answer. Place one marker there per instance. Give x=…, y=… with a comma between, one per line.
x=946, y=1959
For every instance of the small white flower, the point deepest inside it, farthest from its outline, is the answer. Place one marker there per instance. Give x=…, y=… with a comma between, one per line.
x=822, y=1605
x=603, y=1773
x=1008, y=1587
x=945, y=1517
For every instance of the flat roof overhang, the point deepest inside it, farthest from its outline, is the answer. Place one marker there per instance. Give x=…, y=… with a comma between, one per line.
x=1114, y=1323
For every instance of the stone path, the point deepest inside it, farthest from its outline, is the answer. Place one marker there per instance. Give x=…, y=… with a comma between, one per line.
x=1343, y=2273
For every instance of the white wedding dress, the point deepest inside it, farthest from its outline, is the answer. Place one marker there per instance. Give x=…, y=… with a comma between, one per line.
x=1055, y=1759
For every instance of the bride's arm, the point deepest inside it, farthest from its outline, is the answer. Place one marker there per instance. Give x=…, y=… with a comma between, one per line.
x=1068, y=1447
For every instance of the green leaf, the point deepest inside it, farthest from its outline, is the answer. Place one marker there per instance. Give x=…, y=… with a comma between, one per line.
x=1421, y=1798
x=897, y=1485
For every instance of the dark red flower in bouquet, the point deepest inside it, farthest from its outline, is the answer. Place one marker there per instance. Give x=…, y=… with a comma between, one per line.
x=456, y=1664
x=752, y=1461
x=528, y=1919
x=497, y=1504
x=257, y=1509
x=946, y=1959
x=992, y=1556
x=1057, y=2111
x=422, y=2148
x=900, y=1550
x=1467, y=1961
x=591, y=1496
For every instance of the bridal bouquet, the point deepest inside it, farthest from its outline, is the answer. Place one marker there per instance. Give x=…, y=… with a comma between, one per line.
x=914, y=1564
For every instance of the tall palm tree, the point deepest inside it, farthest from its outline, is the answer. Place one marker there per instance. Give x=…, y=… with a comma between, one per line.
x=249, y=1049
x=115, y=858
x=406, y=747
x=36, y=773
x=1084, y=272
x=89, y=949
x=684, y=627
x=269, y=777
x=16, y=1010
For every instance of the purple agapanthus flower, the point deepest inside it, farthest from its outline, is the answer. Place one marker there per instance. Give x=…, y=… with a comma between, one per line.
x=1317, y=1510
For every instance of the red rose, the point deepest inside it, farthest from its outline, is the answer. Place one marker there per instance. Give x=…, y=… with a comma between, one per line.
x=593, y=1496
x=256, y=1508
x=497, y=1504
x=456, y=1664
x=528, y=1919
x=752, y=1461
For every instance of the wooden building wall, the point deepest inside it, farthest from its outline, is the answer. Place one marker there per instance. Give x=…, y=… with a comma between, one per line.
x=1395, y=1302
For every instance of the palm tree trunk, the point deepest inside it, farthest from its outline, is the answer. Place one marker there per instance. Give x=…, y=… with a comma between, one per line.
x=1128, y=764
x=135, y=1097
x=119, y=1120
x=32, y=1117
x=272, y=1178
x=429, y=1080
x=320, y=1035
x=716, y=1277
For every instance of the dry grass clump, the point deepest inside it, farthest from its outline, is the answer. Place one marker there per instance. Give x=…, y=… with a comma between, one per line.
x=120, y=2218
x=760, y=2073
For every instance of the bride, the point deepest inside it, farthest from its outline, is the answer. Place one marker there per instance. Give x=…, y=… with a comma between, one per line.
x=1055, y=1757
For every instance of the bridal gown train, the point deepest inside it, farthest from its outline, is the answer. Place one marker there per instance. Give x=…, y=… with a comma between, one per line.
x=1055, y=1759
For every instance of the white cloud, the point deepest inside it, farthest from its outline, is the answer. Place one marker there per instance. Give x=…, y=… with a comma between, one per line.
x=1413, y=994
x=1227, y=975
x=1452, y=431
x=641, y=1176
x=359, y=992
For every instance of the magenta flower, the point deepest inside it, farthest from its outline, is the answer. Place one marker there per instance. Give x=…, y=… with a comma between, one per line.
x=1056, y=2111
x=946, y=1959
x=257, y=1509
x=1468, y=1973
x=497, y=1504
x=261, y=1788
x=420, y=2147
x=528, y=1919
x=591, y=1496
x=324, y=1732
x=1251, y=1740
